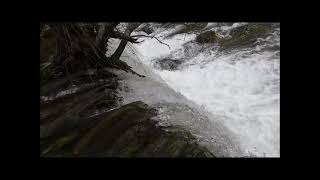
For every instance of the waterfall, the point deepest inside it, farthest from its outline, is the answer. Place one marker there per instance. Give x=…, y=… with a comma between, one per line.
x=229, y=99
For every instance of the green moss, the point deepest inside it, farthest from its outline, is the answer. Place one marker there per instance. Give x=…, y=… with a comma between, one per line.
x=180, y=143
x=206, y=37
x=60, y=143
x=112, y=125
x=126, y=132
x=245, y=35
x=130, y=151
x=176, y=145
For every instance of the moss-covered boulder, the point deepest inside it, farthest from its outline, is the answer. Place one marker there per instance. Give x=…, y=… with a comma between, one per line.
x=128, y=131
x=206, y=37
x=245, y=35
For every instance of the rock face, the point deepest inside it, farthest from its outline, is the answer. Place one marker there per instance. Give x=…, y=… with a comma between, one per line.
x=87, y=122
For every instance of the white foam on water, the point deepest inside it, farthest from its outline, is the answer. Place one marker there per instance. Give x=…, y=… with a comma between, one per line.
x=245, y=92
x=240, y=89
x=174, y=109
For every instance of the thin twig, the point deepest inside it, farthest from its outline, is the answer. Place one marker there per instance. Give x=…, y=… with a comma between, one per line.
x=151, y=38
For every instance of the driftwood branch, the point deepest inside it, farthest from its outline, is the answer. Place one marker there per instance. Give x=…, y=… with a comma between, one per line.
x=130, y=27
x=141, y=35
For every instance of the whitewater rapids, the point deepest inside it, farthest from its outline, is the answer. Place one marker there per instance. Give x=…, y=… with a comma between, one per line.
x=238, y=91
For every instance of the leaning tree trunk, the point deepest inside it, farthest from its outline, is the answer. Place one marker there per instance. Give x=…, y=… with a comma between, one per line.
x=102, y=37
x=131, y=27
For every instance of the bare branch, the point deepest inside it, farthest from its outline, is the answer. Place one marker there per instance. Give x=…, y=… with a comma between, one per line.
x=126, y=37
x=116, y=34
x=141, y=35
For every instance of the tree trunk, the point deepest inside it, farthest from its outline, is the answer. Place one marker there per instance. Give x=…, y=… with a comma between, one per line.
x=102, y=36
x=131, y=27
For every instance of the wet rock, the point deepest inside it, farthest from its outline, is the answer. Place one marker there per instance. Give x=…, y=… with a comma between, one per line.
x=168, y=64
x=88, y=122
x=206, y=37
x=67, y=102
x=147, y=29
x=128, y=131
x=189, y=28
x=245, y=36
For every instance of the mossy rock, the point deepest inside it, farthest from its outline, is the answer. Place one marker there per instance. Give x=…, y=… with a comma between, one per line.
x=128, y=131
x=206, y=37
x=245, y=35
x=58, y=144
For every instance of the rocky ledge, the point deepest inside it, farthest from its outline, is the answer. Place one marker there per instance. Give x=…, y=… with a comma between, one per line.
x=85, y=120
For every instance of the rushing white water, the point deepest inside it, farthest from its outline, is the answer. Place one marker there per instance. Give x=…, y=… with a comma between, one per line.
x=240, y=89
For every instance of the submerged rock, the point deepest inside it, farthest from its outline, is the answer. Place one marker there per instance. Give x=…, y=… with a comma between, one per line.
x=168, y=64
